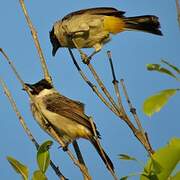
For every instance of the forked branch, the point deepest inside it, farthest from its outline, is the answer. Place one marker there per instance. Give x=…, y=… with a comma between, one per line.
x=116, y=108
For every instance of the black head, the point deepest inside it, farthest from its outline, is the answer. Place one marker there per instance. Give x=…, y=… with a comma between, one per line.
x=36, y=88
x=54, y=41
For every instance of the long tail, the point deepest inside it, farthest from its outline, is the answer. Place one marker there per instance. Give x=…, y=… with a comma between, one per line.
x=103, y=155
x=147, y=23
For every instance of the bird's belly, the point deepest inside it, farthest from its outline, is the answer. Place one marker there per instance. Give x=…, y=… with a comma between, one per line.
x=92, y=39
x=66, y=127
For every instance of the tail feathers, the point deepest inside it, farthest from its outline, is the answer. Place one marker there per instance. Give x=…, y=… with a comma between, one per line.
x=147, y=23
x=103, y=155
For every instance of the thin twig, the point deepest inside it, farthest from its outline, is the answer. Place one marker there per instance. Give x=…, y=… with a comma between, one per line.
x=37, y=44
x=111, y=65
x=115, y=82
x=26, y=129
x=121, y=115
x=96, y=77
x=36, y=41
x=106, y=92
x=91, y=85
x=78, y=152
x=50, y=129
x=94, y=88
x=53, y=132
x=80, y=158
x=133, y=111
x=12, y=66
x=21, y=119
x=140, y=132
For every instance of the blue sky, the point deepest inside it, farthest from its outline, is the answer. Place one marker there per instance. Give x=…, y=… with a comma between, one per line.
x=131, y=52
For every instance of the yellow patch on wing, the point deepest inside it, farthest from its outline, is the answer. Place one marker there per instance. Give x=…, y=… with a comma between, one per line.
x=114, y=24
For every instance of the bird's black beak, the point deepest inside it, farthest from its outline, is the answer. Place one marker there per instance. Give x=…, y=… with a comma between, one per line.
x=30, y=86
x=55, y=48
x=54, y=41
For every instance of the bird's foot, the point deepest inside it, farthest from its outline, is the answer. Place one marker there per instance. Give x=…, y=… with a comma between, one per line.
x=64, y=148
x=85, y=59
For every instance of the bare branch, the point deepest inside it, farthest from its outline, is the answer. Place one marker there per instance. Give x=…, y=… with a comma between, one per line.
x=50, y=129
x=115, y=82
x=106, y=92
x=54, y=134
x=91, y=85
x=12, y=67
x=78, y=152
x=116, y=109
x=26, y=129
x=37, y=44
x=133, y=111
x=96, y=77
x=139, y=133
x=36, y=41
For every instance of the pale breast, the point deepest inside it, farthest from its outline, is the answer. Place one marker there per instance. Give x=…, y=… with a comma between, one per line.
x=67, y=128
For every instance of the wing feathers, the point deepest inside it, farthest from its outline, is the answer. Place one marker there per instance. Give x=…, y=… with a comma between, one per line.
x=68, y=108
x=108, y=11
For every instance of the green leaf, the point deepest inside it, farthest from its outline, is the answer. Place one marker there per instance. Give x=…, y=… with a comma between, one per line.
x=130, y=158
x=158, y=68
x=130, y=176
x=38, y=175
x=149, y=177
x=43, y=156
x=154, y=103
x=176, y=177
x=172, y=66
x=19, y=167
x=157, y=168
x=167, y=158
x=126, y=157
x=124, y=178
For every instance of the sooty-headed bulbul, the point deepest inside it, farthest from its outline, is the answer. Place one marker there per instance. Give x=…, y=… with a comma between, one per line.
x=89, y=28
x=65, y=116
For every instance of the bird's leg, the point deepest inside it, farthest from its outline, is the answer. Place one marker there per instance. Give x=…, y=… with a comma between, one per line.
x=64, y=148
x=97, y=48
x=84, y=57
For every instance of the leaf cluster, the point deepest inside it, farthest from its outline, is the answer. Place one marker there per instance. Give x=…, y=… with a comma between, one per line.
x=43, y=161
